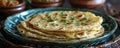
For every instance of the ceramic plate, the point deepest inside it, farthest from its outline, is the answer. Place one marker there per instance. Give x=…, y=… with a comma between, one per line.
x=10, y=23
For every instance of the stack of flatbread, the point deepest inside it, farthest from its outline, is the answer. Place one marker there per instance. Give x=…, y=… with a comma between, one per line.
x=62, y=26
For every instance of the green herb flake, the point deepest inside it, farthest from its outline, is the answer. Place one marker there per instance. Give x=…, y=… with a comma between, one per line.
x=54, y=19
x=48, y=19
x=87, y=20
x=84, y=19
x=67, y=21
x=45, y=18
x=72, y=17
x=77, y=23
x=62, y=20
x=52, y=24
x=61, y=14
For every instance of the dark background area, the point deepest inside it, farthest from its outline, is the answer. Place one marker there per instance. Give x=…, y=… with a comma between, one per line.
x=116, y=3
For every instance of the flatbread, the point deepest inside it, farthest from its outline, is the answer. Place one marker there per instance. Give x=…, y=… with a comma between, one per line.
x=55, y=27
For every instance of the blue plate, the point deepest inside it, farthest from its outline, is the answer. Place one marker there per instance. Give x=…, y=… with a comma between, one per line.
x=10, y=23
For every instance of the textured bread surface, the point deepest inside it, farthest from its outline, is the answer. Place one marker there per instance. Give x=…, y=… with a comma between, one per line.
x=62, y=26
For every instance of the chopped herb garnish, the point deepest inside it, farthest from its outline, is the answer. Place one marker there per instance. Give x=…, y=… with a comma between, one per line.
x=67, y=21
x=63, y=20
x=84, y=19
x=87, y=20
x=54, y=19
x=77, y=23
x=53, y=24
x=62, y=14
x=47, y=19
x=72, y=17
